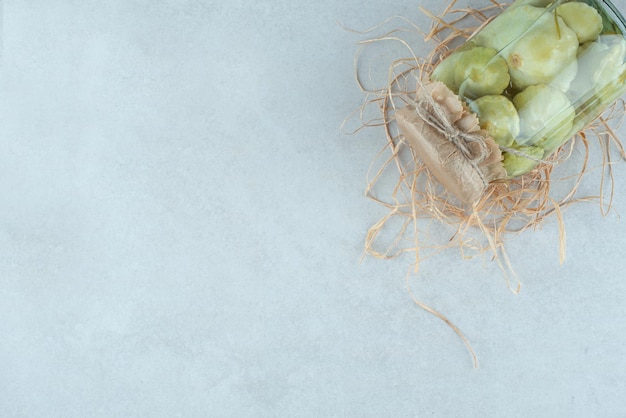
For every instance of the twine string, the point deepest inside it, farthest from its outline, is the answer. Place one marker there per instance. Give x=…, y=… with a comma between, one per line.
x=434, y=115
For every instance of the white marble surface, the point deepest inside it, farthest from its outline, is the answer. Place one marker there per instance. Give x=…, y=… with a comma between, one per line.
x=182, y=222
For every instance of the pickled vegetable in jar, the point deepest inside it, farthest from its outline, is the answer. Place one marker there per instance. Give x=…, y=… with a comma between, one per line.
x=535, y=76
x=559, y=63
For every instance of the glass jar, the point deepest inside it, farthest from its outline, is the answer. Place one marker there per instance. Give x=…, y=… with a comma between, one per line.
x=539, y=73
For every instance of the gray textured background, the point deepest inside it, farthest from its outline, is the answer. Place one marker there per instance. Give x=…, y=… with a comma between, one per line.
x=182, y=222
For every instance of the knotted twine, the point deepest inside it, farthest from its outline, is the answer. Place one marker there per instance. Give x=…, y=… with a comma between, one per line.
x=434, y=115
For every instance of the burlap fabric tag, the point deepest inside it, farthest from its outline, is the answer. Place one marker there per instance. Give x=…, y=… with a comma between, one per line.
x=447, y=137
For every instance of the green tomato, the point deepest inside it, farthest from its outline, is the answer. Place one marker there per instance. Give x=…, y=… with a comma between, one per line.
x=498, y=116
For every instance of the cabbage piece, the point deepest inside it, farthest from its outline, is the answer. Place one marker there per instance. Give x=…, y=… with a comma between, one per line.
x=540, y=55
x=518, y=164
x=583, y=19
x=481, y=71
x=498, y=116
x=544, y=112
